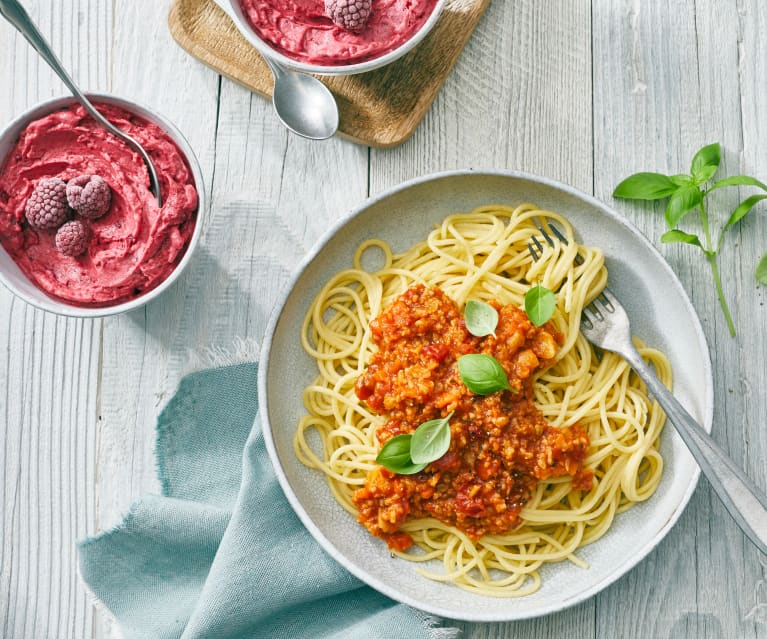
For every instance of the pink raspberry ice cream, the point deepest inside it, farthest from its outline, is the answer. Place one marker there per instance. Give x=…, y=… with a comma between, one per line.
x=131, y=245
x=301, y=29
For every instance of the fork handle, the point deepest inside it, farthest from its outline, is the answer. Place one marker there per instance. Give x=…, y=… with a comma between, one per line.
x=739, y=494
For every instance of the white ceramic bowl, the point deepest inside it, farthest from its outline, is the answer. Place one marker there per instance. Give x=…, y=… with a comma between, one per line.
x=234, y=11
x=661, y=315
x=19, y=284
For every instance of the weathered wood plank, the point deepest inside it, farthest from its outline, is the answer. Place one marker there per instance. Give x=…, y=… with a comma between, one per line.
x=670, y=77
x=519, y=97
x=49, y=378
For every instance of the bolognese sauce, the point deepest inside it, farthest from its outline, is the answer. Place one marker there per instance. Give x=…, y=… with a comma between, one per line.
x=500, y=445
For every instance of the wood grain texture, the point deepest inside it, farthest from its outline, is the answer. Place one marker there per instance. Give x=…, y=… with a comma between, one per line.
x=49, y=379
x=668, y=78
x=502, y=105
x=581, y=91
x=380, y=108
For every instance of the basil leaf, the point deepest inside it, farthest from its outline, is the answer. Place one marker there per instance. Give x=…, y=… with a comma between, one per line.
x=481, y=319
x=395, y=456
x=738, y=180
x=681, y=179
x=482, y=374
x=684, y=200
x=761, y=270
x=539, y=304
x=645, y=186
x=430, y=440
x=677, y=236
x=706, y=163
x=744, y=209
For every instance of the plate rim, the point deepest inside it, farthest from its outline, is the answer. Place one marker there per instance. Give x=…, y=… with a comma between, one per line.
x=482, y=617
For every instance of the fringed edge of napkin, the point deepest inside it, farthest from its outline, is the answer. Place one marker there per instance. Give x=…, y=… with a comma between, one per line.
x=242, y=351
x=435, y=627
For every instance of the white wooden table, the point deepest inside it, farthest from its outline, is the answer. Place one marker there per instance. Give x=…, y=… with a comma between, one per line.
x=581, y=91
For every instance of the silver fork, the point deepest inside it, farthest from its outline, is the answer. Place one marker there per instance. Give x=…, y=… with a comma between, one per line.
x=605, y=324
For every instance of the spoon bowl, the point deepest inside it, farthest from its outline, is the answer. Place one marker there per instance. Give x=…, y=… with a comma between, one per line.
x=303, y=103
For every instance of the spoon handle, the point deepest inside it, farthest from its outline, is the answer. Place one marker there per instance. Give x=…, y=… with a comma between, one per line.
x=277, y=70
x=19, y=18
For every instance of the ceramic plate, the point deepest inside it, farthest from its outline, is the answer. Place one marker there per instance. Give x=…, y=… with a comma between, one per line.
x=661, y=315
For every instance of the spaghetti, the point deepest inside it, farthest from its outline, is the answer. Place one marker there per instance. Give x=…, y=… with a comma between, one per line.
x=482, y=255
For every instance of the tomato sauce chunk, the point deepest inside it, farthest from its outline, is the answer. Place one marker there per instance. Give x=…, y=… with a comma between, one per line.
x=500, y=445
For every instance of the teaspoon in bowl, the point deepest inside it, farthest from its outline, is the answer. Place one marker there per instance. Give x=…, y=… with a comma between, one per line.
x=19, y=18
x=302, y=103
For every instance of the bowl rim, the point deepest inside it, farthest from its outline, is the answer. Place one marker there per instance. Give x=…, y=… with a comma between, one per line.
x=61, y=307
x=313, y=528
x=233, y=9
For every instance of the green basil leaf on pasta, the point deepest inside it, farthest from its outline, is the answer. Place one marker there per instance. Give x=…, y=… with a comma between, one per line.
x=481, y=318
x=539, y=304
x=395, y=456
x=430, y=440
x=482, y=374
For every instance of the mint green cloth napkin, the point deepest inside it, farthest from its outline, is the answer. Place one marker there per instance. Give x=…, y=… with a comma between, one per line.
x=220, y=553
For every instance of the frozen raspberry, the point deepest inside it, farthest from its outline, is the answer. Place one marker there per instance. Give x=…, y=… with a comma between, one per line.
x=89, y=195
x=47, y=206
x=351, y=15
x=72, y=238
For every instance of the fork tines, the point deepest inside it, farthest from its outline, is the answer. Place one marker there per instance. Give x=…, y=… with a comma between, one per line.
x=535, y=248
x=549, y=240
x=534, y=245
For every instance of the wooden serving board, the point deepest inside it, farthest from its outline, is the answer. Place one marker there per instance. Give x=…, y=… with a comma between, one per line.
x=381, y=108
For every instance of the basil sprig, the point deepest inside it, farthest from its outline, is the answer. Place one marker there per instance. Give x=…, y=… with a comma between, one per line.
x=688, y=193
x=410, y=454
x=539, y=304
x=481, y=318
x=482, y=374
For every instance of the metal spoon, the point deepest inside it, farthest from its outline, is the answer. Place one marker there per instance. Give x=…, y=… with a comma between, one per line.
x=19, y=18
x=303, y=103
